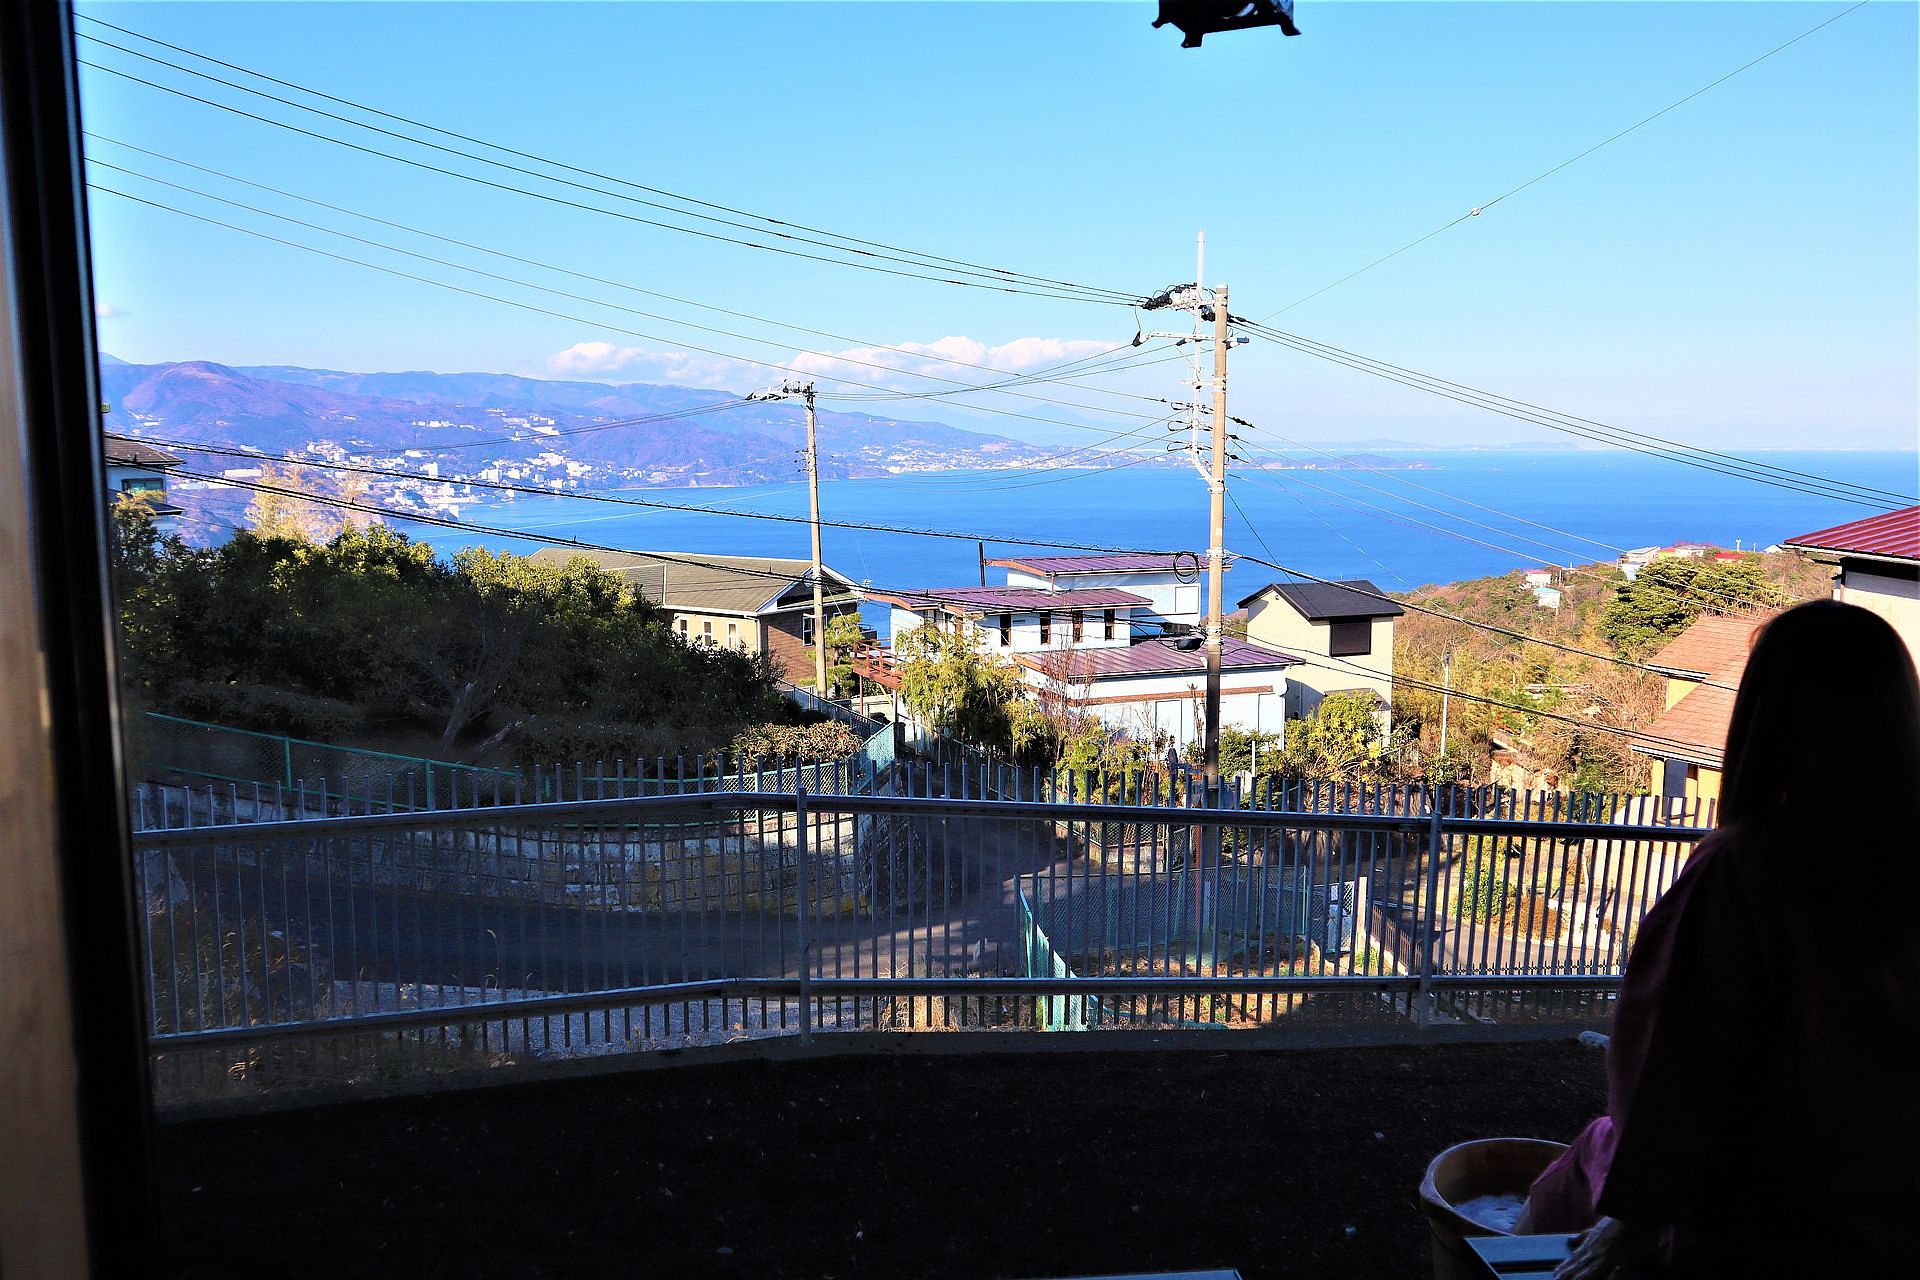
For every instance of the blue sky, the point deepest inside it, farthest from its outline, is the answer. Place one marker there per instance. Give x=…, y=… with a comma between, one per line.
x=1740, y=272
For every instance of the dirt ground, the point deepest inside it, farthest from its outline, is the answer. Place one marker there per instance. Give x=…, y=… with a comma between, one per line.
x=1283, y=1163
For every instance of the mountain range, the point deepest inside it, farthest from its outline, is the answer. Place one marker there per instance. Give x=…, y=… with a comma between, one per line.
x=577, y=432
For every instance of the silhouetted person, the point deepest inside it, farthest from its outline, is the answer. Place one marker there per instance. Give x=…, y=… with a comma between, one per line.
x=1763, y=1081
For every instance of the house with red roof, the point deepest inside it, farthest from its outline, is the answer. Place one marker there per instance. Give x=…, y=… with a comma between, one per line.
x=1878, y=566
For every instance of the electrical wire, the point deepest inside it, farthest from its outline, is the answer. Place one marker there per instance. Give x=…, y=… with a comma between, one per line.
x=548, y=161
x=935, y=357
x=1586, y=428
x=1541, y=177
x=996, y=284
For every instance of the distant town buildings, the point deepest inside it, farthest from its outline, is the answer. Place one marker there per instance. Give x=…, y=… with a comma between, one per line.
x=1879, y=567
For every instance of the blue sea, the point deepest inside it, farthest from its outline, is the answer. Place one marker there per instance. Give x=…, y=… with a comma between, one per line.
x=1554, y=507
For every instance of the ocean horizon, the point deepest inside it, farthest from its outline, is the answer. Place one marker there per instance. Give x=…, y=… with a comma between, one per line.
x=1465, y=514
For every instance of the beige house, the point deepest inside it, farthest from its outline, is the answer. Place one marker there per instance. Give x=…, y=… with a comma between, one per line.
x=1341, y=631
x=756, y=604
x=1687, y=743
x=1879, y=567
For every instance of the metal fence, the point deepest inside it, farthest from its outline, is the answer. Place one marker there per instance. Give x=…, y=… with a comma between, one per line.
x=345, y=947
x=179, y=751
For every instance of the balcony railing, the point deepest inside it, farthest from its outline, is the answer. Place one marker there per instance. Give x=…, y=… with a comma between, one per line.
x=378, y=942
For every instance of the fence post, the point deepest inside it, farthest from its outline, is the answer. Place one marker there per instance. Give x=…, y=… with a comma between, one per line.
x=806, y=905
x=1423, y=1014
x=286, y=757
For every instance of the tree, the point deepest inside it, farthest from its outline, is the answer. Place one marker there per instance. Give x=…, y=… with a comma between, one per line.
x=279, y=515
x=953, y=685
x=844, y=636
x=1340, y=741
x=1241, y=749
x=1668, y=594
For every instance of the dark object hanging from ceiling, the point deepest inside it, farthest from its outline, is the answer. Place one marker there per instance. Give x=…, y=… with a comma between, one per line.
x=1200, y=18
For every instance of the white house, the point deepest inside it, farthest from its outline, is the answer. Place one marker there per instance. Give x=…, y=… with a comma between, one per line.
x=1111, y=635
x=1023, y=619
x=1158, y=685
x=1342, y=632
x=135, y=468
x=1172, y=584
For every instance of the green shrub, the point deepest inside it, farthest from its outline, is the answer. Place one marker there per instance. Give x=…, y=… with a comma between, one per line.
x=1484, y=894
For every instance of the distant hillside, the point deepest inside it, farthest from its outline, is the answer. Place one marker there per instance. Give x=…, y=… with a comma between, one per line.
x=469, y=422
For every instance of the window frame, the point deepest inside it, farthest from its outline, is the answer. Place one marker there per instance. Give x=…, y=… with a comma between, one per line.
x=1350, y=628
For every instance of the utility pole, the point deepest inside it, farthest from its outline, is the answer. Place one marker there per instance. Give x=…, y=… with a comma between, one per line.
x=1217, y=526
x=1446, y=696
x=1205, y=305
x=804, y=392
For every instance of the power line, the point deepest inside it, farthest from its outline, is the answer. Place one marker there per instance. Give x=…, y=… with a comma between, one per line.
x=526, y=306
x=960, y=386
x=1540, y=177
x=1617, y=731
x=407, y=228
x=1491, y=627
x=556, y=164
x=997, y=284
x=1619, y=437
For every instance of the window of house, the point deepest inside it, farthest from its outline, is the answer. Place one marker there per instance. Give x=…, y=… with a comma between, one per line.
x=733, y=635
x=1079, y=626
x=143, y=484
x=1006, y=630
x=1107, y=625
x=1046, y=626
x=706, y=630
x=683, y=626
x=1346, y=639
x=806, y=628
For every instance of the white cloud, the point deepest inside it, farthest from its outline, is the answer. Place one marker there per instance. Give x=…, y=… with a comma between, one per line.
x=642, y=364
x=905, y=366
x=101, y=311
x=922, y=366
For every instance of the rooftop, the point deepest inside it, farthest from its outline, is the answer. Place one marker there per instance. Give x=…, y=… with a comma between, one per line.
x=1695, y=728
x=707, y=583
x=1711, y=645
x=1159, y=657
x=1017, y=599
x=1894, y=535
x=1117, y=562
x=124, y=451
x=1332, y=601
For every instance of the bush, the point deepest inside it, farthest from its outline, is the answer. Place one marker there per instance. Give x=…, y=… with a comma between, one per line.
x=546, y=740
x=768, y=745
x=1484, y=894
x=255, y=706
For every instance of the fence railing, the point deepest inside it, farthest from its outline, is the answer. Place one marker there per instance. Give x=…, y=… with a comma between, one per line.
x=327, y=947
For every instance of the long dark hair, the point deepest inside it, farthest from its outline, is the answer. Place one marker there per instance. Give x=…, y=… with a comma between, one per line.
x=1826, y=732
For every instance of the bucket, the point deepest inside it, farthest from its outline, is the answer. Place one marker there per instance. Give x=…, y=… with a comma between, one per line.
x=1484, y=1167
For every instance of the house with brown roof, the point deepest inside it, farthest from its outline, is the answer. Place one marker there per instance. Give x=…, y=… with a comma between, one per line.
x=1687, y=743
x=756, y=604
x=1878, y=561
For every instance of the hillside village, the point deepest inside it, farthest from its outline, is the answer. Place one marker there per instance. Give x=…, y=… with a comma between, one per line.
x=1536, y=679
